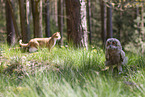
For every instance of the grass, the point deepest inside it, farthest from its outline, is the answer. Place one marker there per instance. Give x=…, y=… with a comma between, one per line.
x=68, y=72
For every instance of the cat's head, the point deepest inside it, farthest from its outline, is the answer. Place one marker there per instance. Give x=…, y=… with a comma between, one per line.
x=56, y=35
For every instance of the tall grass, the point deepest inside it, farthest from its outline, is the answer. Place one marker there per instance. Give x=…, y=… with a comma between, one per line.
x=68, y=72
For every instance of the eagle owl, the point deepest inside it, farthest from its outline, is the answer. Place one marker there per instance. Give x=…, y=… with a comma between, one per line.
x=114, y=54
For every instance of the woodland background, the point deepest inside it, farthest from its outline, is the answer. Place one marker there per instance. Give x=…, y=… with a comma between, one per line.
x=80, y=22
x=68, y=71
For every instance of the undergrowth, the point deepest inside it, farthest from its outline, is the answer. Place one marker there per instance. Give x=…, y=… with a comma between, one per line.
x=68, y=72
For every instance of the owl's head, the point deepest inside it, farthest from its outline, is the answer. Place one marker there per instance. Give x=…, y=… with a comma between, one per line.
x=113, y=44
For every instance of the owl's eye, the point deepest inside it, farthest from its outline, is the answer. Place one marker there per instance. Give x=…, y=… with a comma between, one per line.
x=113, y=43
x=108, y=43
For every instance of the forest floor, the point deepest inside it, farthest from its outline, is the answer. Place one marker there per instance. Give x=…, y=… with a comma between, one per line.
x=68, y=72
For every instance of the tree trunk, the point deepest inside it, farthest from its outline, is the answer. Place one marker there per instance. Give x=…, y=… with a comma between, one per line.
x=3, y=8
x=33, y=13
x=60, y=19
x=89, y=20
x=55, y=12
x=76, y=22
x=142, y=21
x=120, y=23
x=47, y=28
x=103, y=21
x=83, y=25
x=109, y=21
x=37, y=17
x=28, y=19
x=68, y=17
x=23, y=21
x=40, y=34
x=13, y=18
x=142, y=28
x=9, y=26
x=137, y=15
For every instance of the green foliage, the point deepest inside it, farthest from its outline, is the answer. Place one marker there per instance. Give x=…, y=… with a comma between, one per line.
x=124, y=26
x=137, y=43
x=67, y=72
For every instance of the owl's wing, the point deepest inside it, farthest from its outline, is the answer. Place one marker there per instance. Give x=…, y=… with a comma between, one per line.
x=123, y=59
x=107, y=55
x=122, y=55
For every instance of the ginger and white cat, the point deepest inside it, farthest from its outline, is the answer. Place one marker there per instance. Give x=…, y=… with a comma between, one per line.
x=36, y=43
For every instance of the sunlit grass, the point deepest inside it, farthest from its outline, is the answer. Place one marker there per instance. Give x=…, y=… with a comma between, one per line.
x=67, y=72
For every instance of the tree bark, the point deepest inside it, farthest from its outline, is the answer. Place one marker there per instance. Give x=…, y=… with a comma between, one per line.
x=37, y=17
x=137, y=15
x=2, y=8
x=84, y=24
x=13, y=19
x=40, y=34
x=89, y=20
x=28, y=19
x=142, y=21
x=109, y=20
x=23, y=21
x=10, y=26
x=103, y=22
x=60, y=19
x=68, y=13
x=76, y=22
x=142, y=28
x=55, y=12
x=47, y=28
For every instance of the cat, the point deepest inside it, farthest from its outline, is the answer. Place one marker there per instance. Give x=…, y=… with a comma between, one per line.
x=36, y=43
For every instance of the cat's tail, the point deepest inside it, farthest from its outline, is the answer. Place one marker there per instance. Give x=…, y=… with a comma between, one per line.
x=23, y=45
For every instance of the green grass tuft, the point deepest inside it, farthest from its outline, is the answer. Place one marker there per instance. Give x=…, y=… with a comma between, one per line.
x=67, y=72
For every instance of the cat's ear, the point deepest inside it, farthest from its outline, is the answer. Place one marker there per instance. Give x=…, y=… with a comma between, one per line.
x=58, y=32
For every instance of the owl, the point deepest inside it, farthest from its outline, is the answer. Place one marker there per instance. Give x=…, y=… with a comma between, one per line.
x=114, y=54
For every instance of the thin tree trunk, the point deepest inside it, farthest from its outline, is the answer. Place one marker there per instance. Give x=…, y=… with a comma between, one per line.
x=28, y=19
x=120, y=23
x=3, y=8
x=60, y=19
x=103, y=21
x=89, y=20
x=23, y=21
x=9, y=26
x=120, y=26
x=37, y=17
x=137, y=14
x=68, y=17
x=55, y=10
x=33, y=14
x=142, y=21
x=40, y=34
x=13, y=18
x=83, y=24
x=47, y=28
x=142, y=28
x=109, y=21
